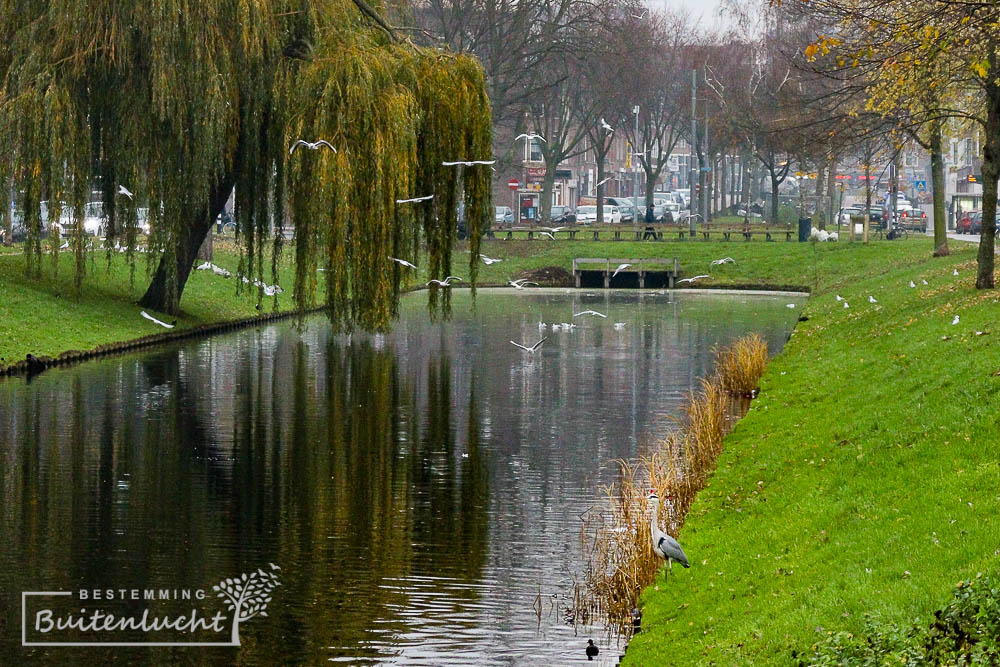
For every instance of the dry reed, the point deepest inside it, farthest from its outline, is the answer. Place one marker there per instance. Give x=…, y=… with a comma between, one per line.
x=740, y=365
x=621, y=561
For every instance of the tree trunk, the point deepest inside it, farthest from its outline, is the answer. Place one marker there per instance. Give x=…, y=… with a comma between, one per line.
x=745, y=165
x=723, y=183
x=991, y=167
x=818, y=205
x=868, y=196
x=600, y=177
x=5, y=216
x=831, y=186
x=774, y=194
x=548, y=183
x=159, y=296
x=938, y=190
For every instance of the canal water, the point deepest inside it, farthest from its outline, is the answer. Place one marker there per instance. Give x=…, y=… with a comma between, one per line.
x=416, y=496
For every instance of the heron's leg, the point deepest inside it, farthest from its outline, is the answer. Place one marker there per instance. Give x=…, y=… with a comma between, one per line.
x=670, y=568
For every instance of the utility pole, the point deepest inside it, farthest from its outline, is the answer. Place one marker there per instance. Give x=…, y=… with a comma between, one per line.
x=706, y=173
x=694, y=154
x=893, y=188
x=635, y=167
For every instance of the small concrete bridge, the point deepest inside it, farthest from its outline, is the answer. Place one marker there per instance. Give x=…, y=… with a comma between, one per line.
x=641, y=273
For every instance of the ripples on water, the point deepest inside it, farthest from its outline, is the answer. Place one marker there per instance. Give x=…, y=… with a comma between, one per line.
x=419, y=490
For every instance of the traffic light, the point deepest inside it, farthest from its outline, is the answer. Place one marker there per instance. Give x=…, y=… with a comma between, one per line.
x=973, y=178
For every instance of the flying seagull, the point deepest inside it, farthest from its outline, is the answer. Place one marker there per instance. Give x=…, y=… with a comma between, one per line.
x=156, y=321
x=467, y=163
x=122, y=190
x=532, y=348
x=403, y=262
x=606, y=127
x=312, y=146
x=530, y=136
x=549, y=234
x=621, y=267
x=641, y=16
x=599, y=183
x=590, y=312
x=489, y=260
x=692, y=279
x=664, y=546
x=274, y=567
x=520, y=283
x=724, y=260
x=619, y=326
x=415, y=199
x=444, y=283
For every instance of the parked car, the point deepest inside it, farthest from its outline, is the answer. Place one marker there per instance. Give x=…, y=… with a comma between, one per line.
x=504, y=215
x=562, y=214
x=847, y=212
x=629, y=213
x=964, y=223
x=668, y=212
x=586, y=215
x=913, y=218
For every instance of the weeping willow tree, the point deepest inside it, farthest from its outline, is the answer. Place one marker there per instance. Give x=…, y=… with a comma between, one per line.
x=181, y=102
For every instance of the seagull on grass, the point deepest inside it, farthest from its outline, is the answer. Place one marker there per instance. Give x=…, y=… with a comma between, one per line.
x=871, y=299
x=845, y=305
x=590, y=312
x=839, y=298
x=156, y=321
x=403, y=262
x=791, y=305
x=530, y=350
x=923, y=281
x=122, y=190
x=467, y=163
x=912, y=284
x=489, y=260
x=724, y=260
x=692, y=279
x=414, y=200
x=621, y=267
x=954, y=321
x=444, y=283
x=315, y=145
x=954, y=272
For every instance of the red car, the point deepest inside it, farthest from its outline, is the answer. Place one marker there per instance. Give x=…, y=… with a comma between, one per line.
x=965, y=224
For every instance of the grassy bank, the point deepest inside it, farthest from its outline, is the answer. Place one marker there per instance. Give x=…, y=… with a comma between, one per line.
x=45, y=318
x=864, y=482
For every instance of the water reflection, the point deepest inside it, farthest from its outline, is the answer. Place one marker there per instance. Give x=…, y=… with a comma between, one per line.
x=419, y=490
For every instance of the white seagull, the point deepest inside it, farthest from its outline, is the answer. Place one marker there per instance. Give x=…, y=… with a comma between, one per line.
x=122, y=190
x=315, y=145
x=954, y=272
x=845, y=305
x=489, y=260
x=692, y=279
x=520, y=283
x=791, y=305
x=467, y=163
x=621, y=267
x=549, y=234
x=664, y=546
x=590, y=312
x=923, y=281
x=599, y=183
x=606, y=127
x=415, y=199
x=619, y=326
x=954, y=321
x=871, y=299
x=912, y=284
x=444, y=283
x=531, y=135
x=839, y=298
x=156, y=321
x=532, y=348
x=641, y=16
x=403, y=262
x=724, y=260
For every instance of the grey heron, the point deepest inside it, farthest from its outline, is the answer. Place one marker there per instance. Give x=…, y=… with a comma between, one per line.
x=664, y=546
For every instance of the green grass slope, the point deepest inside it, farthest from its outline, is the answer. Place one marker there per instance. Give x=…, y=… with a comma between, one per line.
x=865, y=480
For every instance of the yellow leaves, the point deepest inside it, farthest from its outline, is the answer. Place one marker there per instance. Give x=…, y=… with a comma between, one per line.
x=811, y=51
x=980, y=68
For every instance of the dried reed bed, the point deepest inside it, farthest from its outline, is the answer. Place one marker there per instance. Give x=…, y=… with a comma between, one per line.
x=740, y=365
x=620, y=560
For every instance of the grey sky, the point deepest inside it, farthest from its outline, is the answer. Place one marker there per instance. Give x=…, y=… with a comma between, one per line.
x=704, y=12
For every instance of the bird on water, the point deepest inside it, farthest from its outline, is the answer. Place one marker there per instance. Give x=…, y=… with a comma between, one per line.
x=592, y=649
x=664, y=546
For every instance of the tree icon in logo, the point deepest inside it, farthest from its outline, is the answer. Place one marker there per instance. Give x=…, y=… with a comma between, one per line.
x=247, y=596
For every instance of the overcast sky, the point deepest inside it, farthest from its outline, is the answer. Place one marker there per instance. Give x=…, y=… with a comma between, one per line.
x=704, y=12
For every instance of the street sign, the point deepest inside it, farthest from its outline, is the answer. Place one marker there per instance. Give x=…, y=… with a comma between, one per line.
x=513, y=184
x=920, y=186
